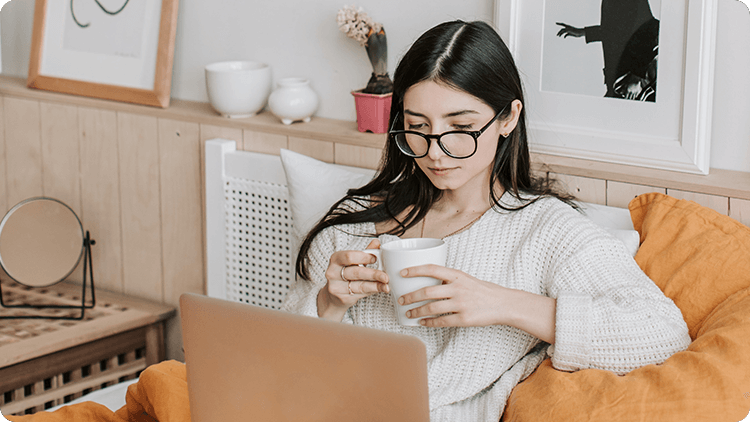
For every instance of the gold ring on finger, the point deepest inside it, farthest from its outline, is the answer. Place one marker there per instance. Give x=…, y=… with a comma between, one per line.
x=342, y=274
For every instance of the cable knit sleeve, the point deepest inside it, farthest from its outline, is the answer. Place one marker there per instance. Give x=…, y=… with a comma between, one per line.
x=609, y=315
x=303, y=294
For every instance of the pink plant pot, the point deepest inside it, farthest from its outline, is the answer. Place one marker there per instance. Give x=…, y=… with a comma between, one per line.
x=373, y=111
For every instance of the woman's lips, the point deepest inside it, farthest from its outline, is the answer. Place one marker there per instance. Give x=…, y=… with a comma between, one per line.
x=441, y=171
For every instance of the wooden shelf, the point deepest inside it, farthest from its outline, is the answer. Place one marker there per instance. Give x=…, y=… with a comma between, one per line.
x=319, y=128
x=734, y=184
x=728, y=183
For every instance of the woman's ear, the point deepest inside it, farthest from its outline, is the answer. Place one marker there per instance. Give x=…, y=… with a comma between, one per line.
x=509, y=124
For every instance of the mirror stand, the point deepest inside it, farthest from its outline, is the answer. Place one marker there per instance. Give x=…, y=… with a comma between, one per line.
x=88, y=275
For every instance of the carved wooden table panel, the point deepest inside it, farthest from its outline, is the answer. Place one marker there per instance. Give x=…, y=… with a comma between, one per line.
x=45, y=362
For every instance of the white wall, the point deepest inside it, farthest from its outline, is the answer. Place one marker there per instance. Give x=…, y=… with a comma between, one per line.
x=730, y=141
x=301, y=38
x=296, y=37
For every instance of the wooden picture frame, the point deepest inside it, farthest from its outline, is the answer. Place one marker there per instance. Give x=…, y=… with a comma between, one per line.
x=671, y=133
x=134, y=69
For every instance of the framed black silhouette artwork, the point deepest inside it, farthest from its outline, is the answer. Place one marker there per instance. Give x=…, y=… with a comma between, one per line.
x=623, y=81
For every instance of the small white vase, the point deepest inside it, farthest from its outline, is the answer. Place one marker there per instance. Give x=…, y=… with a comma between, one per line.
x=293, y=100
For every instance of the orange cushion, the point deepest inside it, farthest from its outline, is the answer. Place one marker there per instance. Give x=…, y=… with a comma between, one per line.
x=697, y=256
x=700, y=259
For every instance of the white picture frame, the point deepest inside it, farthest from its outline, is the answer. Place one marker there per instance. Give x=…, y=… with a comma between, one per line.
x=673, y=133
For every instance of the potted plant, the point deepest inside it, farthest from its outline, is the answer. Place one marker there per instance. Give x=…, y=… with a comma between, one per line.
x=373, y=103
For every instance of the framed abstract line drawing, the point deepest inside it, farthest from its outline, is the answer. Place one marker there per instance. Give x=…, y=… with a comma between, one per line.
x=118, y=50
x=590, y=70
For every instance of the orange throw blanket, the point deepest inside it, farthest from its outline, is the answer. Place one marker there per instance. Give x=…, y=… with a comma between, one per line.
x=159, y=395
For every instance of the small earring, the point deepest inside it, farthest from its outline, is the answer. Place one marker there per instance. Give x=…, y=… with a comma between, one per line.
x=505, y=135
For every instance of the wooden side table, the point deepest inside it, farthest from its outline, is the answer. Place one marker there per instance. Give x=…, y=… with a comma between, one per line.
x=46, y=362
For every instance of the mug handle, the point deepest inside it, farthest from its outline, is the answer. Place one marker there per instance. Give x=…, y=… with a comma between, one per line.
x=376, y=254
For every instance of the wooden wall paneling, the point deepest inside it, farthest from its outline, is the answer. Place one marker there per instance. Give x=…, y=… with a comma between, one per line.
x=585, y=189
x=23, y=149
x=357, y=156
x=620, y=194
x=320, y=150
x=717, y=203
x=100, y=194
x=735, y=184
x=182, y=220
x=61, y=158
x=266, y=143
x=4, y=205
x=739, y=209
x=729, y=183
x=138, y=146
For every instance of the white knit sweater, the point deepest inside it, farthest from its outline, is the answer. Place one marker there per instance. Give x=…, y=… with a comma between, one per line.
x=610, y=315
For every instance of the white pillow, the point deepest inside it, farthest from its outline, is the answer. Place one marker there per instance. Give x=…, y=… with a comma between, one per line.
x=616, y=221
x=314, y=186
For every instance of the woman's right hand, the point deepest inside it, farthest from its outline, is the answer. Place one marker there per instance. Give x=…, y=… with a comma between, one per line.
x=349, y=281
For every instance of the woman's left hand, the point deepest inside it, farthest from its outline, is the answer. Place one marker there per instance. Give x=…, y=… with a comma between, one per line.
x=466, y=300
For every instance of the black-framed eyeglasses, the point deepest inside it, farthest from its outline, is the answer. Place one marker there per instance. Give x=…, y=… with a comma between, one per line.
x=454, y=143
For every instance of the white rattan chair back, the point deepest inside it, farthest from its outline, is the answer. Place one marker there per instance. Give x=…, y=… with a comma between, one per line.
x=248, y=226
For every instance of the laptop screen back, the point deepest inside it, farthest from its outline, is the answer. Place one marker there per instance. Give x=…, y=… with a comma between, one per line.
x=246, y=362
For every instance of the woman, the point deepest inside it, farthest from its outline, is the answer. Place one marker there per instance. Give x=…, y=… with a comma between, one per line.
x=525, y=270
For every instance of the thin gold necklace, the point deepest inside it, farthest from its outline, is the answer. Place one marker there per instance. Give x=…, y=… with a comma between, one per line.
x=424, y=220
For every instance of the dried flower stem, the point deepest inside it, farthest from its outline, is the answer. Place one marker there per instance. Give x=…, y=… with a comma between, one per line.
x=358, y=25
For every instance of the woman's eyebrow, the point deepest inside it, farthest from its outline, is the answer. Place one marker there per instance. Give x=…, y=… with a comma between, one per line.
x=414, y=113
x=460, y=113
x=451, y=114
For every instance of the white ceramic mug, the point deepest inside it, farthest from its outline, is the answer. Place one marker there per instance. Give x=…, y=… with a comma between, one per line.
x=405, y=253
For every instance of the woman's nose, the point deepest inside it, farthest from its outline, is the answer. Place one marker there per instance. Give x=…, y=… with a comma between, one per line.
x=434, y=151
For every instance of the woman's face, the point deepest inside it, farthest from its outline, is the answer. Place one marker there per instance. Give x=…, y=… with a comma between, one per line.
x=434, y=108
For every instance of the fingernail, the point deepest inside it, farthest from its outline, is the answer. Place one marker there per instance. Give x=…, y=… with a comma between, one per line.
x=408, y=314
x=401, y=301
x=404, y=273
x=422, y=322
x=386, y=289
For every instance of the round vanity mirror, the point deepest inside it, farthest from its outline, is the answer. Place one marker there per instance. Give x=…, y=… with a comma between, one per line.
x=41, y=242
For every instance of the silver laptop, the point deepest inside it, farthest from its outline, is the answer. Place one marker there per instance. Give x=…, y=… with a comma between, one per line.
x=248, y=363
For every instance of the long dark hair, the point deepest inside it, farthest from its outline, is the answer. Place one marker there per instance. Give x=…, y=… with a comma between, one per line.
x=471, y=57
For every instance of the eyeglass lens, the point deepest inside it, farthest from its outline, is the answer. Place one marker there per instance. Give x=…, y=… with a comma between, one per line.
x=455, y=144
